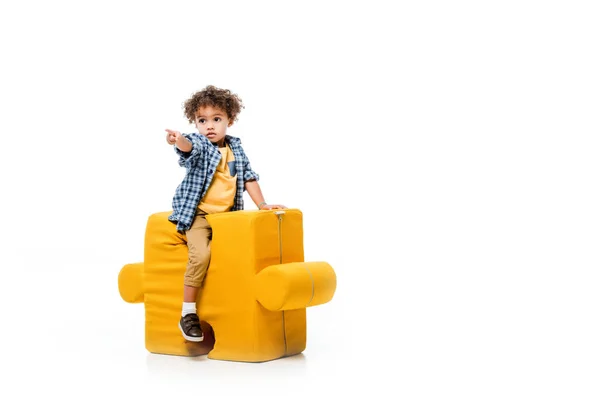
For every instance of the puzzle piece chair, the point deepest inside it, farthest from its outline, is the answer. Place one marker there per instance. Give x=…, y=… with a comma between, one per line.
x=253, y=302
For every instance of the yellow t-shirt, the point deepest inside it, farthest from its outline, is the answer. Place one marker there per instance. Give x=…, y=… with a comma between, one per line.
x=221, y=193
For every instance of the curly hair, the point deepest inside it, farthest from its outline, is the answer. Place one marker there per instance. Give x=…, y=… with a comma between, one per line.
x=215, y=97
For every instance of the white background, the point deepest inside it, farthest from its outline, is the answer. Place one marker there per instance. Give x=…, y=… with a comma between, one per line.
x=444, y=154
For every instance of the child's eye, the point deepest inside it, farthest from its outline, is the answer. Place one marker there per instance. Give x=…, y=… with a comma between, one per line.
x=217, y=119
x=202, y=120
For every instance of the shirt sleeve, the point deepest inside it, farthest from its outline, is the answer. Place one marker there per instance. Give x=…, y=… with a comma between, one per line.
x=249, y=174
x=190, y=159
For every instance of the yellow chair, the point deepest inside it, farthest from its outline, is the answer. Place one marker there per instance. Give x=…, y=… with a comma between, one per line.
x=253, y=302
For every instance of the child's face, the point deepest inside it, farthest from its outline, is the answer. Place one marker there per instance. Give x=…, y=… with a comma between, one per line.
x=213, y=123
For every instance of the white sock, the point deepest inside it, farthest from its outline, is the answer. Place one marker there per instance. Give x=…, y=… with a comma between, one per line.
x=188, y=308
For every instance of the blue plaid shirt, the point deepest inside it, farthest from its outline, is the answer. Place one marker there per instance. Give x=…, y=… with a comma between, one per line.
x=201, y=164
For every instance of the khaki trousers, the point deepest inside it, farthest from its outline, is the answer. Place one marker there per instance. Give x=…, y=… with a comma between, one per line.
x=198, y=239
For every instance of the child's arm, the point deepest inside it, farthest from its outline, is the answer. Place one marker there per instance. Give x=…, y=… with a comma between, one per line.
x=187, y=146
x=253, y=189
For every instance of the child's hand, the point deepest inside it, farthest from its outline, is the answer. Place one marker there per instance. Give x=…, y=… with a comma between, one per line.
x=272, y=207
x=172, y=136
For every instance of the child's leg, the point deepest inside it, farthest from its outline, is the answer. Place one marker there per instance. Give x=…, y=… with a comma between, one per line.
x=190, y=294
x=198, y=241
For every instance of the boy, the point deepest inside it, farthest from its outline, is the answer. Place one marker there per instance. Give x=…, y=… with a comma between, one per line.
x=218, y=172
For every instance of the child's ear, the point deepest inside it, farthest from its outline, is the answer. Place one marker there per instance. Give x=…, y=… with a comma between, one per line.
x=230, y=123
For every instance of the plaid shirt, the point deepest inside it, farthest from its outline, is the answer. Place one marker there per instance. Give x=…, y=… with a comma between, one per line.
x=201, y=164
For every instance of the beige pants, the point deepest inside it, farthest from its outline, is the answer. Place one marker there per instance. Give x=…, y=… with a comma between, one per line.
x=198, y=239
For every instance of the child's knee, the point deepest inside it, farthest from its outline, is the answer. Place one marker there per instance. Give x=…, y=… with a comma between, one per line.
x=199, y=258
x=196, y=268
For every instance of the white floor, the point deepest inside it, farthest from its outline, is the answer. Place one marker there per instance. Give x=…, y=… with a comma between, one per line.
x=75, y=340
x=435, y=338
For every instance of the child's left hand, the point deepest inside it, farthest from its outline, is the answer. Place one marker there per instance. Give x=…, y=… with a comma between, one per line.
x=272, y=207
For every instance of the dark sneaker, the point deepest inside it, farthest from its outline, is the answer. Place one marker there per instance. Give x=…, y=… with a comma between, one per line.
x=190, y=327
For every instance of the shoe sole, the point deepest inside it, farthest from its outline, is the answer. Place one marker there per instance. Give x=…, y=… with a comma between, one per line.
x=190, y=338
